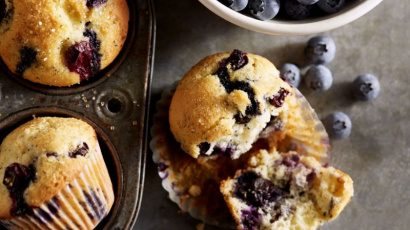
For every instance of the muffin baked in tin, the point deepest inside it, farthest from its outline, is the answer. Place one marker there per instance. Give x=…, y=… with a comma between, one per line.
x=53, y=176
x=61, y=43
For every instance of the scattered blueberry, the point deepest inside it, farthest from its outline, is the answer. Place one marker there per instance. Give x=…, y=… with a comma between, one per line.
x=264, y=9
x=338, y=125
x=331, y=6
x=320, y=50
x=236, y=5
x=291, y=74
x=308, y=2
x=366, y=87
x=318, y=78
x=296, y=10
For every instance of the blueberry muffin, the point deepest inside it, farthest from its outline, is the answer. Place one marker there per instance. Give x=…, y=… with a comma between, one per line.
x=286, y=192
x=53, y=176
x=61, y=43
x=223, y=103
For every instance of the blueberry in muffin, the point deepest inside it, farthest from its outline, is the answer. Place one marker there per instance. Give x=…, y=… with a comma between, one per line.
x=287, y=191
x=53, y=176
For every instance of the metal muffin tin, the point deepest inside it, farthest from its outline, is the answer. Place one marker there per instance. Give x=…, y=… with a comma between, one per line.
x=115, y=103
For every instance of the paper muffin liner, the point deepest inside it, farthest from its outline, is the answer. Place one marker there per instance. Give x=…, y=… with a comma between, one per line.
x=302, y=130
x=193, y=184
x=82, y=204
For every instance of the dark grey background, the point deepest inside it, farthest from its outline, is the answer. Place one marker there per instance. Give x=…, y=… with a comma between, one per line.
x=377, y=155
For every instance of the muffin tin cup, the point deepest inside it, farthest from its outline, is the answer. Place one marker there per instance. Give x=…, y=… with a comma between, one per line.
x=160, y=145
x=115, y=104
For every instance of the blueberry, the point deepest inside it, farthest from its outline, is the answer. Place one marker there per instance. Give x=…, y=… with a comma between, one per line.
x=17, y=179
x=28, y=57
x=84, y=57
x=319, y=78
x=250, y=219
x=279, y=98
x=331, y=6
x=81, y=150
x=296, y=10
x=320, y=50
x=366, y=87
x=308, y=2
x=257, y=191
x=236, y=5
x=291, y=74
x=264, y=9
x=237, y=60
x=338, y=125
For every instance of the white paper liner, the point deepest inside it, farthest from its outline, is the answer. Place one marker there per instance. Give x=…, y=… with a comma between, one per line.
x=82, y=204
x=304, y=130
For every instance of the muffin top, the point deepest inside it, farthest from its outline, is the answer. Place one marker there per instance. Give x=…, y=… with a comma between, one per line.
x=61, y=43
x=223, y=103
x=41, y=157
x=286, y=191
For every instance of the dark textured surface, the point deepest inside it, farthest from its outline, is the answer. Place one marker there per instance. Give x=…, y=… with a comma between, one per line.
x=377, y=153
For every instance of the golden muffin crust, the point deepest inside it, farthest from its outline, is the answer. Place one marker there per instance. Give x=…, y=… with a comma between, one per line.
x=40, y=39
x=53, y=150
x=223, y=103
x=286, y=191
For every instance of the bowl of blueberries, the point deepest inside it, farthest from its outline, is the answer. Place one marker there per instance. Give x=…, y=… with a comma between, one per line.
x=293, y=17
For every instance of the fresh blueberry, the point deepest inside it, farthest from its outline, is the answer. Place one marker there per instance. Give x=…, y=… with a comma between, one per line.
x=319, y=78
x=291, y=74
x=366, y=87
x=264, y=9
x=331, y=6
x=296, y=10
x=338, y=125
x=308, y=2
x=320, y=50
x=236, y=5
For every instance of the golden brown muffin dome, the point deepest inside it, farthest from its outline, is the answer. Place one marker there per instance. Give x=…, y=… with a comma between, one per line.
x=61, y=43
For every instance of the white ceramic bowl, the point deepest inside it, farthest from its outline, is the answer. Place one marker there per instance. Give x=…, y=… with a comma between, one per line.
x=350, y=13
